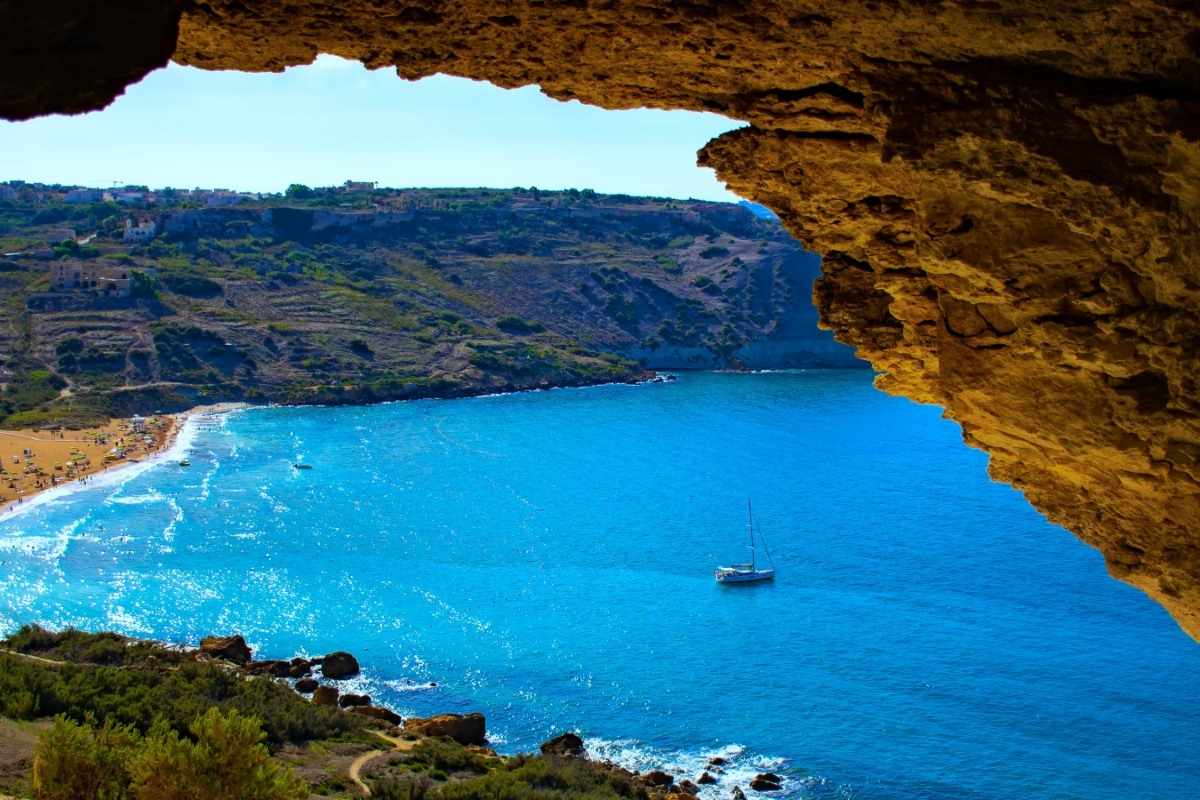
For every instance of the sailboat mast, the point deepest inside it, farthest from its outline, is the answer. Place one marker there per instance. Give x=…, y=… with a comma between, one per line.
x=750, y=510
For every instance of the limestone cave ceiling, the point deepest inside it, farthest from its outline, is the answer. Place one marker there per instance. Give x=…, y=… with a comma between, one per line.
x=1006, y=192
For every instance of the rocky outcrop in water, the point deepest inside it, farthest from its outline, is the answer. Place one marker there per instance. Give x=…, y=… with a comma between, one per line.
x=339, y=665
x=1007, y=195
x=567, y=744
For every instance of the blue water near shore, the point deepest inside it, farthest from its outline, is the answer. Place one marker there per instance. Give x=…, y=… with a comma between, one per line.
x=546, y=558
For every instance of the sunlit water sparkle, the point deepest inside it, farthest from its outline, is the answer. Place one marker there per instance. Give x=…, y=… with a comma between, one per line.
x=546, y=558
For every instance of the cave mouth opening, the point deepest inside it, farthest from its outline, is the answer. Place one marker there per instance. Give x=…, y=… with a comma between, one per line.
x=333, y=120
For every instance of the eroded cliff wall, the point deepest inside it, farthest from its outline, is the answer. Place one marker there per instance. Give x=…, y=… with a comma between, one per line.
x=1007, y=193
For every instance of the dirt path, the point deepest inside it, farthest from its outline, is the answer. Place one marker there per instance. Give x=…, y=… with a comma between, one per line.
x=29, y=657
x=403, y=745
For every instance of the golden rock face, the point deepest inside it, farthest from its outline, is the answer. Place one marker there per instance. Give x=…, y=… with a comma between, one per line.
x=1007, y=194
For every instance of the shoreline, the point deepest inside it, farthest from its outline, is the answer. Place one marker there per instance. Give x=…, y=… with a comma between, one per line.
x=329, y=680
x=165, y=440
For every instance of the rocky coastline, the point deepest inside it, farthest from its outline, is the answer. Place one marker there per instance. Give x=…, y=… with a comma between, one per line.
x=310, y=678
x=314, y=735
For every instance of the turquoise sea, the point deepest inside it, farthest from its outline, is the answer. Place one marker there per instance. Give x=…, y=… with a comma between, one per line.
x=546, y=558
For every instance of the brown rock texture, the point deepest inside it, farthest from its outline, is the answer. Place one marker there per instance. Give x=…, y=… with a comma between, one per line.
x=325, y=696
x=382, y=714
x=230, y=648
x=567, y=744
x=462, y=728
x=339, y=665
x=63, y=56
x=1007, y=194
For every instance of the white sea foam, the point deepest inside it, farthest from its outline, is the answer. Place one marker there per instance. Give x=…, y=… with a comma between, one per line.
x=206, y=482
x=407, y=686
x=176, y=518
x=739, y=769
x=152, y=496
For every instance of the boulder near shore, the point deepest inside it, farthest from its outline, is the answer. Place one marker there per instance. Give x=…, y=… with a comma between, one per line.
x=325, y=696
x=229, y=648
x=568, y=744
x=339, y=665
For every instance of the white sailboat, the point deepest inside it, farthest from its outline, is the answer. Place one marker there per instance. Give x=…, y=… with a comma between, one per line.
x=745, y=573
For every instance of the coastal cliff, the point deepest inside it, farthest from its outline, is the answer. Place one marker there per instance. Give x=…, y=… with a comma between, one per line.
x=1005, y=193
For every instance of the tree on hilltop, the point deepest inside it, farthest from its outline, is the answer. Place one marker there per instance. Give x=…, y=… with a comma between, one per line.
x=298, y=191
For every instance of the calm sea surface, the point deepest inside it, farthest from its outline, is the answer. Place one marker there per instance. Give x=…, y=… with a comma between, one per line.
x=546, y=559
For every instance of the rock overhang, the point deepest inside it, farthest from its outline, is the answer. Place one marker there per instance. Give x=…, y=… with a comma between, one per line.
x=1007, y=193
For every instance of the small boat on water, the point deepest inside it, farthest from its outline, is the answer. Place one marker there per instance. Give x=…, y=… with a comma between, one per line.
x=747, y=573
x=185, y=463
x=302, y=466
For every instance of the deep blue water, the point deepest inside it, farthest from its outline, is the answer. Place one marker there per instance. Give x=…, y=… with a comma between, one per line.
x=546, y=558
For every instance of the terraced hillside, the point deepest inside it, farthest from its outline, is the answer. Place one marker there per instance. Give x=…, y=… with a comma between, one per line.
x=359, y=297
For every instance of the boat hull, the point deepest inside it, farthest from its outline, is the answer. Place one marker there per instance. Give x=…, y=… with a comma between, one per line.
x=744, y=576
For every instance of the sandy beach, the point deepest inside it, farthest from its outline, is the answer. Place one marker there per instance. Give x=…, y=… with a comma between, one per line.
x=36, y=461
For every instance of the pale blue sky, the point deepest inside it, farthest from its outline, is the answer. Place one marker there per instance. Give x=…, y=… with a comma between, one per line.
x=335, y=120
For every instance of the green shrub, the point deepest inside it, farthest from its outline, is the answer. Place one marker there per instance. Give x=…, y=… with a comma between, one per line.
x=138, y=697
x=144, y=284
x=192, y=285
x=514, y=324
x=621, y=310
x=71, y=344
x=76, y=761
x=225, y=760
x=714, y=251
x=399, y=790
x=447, y=755
x=222, y=759
x=669, y=264
x=519, y=778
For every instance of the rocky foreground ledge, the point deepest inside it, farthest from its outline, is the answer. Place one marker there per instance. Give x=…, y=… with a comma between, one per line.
x=76, y=705
x=311, y=678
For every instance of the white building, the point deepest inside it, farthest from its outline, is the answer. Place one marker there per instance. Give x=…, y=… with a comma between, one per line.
x=141, y=231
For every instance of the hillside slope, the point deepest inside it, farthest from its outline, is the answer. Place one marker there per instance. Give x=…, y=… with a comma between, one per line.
x=351, y=298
